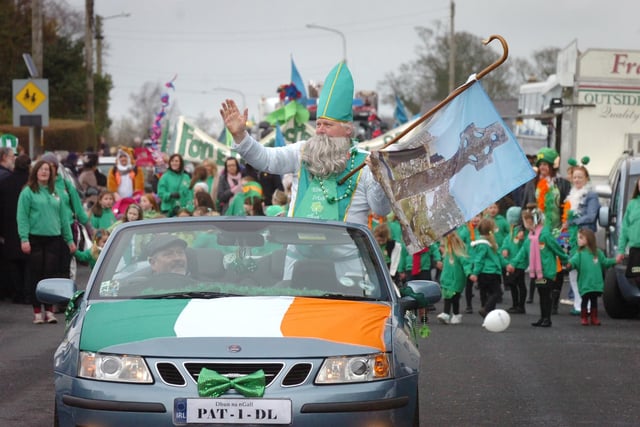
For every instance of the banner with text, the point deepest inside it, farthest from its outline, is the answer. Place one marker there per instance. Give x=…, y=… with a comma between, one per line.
x=195, y=145
x=292, y=133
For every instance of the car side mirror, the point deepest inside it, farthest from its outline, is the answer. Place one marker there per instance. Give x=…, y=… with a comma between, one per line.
x=55, y=291
x=419, y=294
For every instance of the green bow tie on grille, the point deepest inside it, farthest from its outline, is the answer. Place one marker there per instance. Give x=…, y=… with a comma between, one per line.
x=212, y=384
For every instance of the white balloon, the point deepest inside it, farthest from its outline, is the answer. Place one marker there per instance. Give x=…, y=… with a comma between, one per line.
x=496, y=320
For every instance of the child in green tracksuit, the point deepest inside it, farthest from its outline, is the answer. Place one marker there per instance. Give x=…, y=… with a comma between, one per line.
x=502, y=225
x=510, y=247
x=590, y=263
x=90, y=256
x=467, y=233
x=487, y=266
x=540, y=253
x=455, y=269
x=101, y=212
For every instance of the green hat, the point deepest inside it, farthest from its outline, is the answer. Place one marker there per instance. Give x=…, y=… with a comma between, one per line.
x=513, y=215
x=336, y=98
x=548, y=155
x=274, y=210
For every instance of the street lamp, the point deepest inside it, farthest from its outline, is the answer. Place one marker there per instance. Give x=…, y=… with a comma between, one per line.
x=99, y=37
x=340, y=33
x=244, y=100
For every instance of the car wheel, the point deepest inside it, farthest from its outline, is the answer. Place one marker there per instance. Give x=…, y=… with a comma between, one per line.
x=615, y=306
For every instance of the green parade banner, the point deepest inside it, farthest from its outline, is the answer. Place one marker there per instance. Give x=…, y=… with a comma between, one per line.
x=291, y=133
x=195, y=145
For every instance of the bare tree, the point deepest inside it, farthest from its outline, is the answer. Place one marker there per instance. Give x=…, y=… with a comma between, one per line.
x=69, y=21
x=146, y=104
x=427, y=77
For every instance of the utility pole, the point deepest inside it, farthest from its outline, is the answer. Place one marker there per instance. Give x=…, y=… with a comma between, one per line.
x=99, y=38
x=35, y=132
x=452, y=49
x=88, y=58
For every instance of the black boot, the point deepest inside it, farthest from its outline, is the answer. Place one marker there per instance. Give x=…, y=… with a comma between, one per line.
x=544, y=291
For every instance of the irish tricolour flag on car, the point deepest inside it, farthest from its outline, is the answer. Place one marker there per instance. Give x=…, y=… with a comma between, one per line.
x=111, y=323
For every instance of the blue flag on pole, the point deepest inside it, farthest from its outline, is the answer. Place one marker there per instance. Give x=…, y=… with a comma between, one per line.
x=279, y=142
x=450, y=169
x=296, y=79
x=400, y=113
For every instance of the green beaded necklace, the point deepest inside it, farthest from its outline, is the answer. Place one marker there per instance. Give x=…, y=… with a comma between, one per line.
x=347, y=192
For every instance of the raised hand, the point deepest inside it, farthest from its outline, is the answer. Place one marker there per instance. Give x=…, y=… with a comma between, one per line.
x=235, y=122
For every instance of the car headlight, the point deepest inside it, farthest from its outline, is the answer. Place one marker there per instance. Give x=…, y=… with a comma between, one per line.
x=114, y=367
x=354, y=369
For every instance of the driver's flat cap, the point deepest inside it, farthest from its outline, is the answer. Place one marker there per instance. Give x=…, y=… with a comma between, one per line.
x=164, y=241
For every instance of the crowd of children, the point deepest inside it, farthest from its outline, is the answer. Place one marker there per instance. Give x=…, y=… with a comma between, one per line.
x=492, y=252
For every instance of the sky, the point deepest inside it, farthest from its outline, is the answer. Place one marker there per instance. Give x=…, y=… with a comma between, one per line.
x=242, y=49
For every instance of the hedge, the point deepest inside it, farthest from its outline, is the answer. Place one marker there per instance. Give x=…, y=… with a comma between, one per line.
x=60, y=135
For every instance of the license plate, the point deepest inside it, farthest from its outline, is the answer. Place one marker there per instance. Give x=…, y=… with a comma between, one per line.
x=231, y=411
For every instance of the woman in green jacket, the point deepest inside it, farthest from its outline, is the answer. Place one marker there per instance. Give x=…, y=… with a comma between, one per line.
x=45, y=233
x=173, y=187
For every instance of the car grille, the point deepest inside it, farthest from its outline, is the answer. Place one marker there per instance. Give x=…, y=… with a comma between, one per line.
x=297, y=375
x=170, y=374
x=271, y=370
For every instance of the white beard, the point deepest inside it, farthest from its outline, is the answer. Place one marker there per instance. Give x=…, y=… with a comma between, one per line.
x=324, y=156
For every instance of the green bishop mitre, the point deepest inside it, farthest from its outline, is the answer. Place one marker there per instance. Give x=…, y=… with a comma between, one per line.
x=336, y=98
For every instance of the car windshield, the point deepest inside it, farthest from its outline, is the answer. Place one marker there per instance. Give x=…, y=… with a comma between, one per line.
x=210, y=258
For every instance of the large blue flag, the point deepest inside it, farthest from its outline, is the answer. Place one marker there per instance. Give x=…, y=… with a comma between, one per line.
x=450, y=169
x=400, y=113
x=296, y=79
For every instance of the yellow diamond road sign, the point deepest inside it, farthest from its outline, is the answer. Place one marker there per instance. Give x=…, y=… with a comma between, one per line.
x=30, y=97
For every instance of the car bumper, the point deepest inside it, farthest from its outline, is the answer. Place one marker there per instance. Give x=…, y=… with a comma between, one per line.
x=381, y=403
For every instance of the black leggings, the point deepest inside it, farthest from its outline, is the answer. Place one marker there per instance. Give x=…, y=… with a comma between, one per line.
x=515, y=282
x=468, y=292
x=490, y=290
x=50, y=257
x=590, y=297
x=452, y=303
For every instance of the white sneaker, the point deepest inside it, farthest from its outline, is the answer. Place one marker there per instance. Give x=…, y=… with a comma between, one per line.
x=456, y=319
x=38, y=318
x=444, y=318
x=51, y=318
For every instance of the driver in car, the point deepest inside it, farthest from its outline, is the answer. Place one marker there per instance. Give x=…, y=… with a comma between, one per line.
x=167, y=255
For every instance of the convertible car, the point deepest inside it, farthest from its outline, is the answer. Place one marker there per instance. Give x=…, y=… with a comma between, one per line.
x=238, y=320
